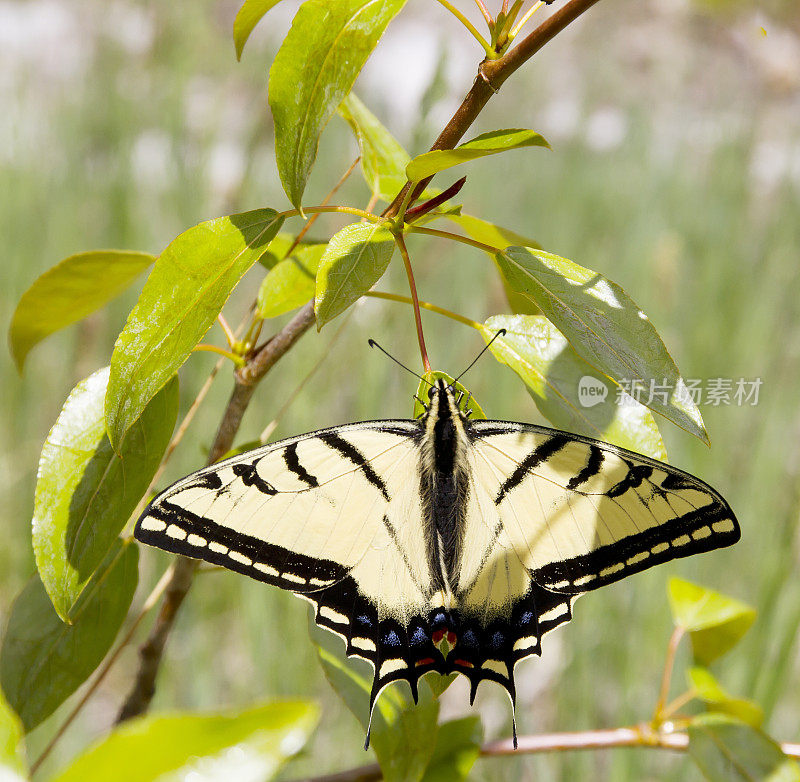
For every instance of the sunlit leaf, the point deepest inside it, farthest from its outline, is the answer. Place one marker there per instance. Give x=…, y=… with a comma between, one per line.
x=605, y=327
x=185, y=292
x=13, y=767
x=568, y=392
x=313, y=71
x=42, y=660
x=727, y=750
x=715, y=621
x=238, y=744
x=354, y=260
x=430, y=163
x=467, y=401
x=290, y=283
x=458, y=746
x=249, y=16
x=383, y=159
x=67, y=293
x=712, y=693
x=85, y=493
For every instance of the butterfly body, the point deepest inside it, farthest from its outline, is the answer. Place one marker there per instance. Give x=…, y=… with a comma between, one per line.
x=439, y=544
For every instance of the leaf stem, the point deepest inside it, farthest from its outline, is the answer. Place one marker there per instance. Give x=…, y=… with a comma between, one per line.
x=335, y=209
x=229, y=335
x=401, y=244
x=485, y=12
x=487, y=248
x=490, y=53
x=235, y=357
x=425, y=306
x=522, y=22
x=666, y=676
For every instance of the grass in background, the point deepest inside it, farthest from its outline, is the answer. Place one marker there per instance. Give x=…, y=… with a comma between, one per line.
x=145, y=142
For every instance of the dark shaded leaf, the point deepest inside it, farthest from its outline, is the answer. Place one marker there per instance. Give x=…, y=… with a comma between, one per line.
x=312, y=73
x=67, y=293
x=238, y=744
x=42, y=660
x=85, y=493
x=727, y=750
x=605, y=327
x=185, y=292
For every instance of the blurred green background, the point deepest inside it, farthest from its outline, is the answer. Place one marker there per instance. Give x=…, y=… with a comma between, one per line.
x=675, y=172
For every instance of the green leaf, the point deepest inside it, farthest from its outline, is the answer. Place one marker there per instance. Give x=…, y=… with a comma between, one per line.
x=383, y=159
x=42, y=660
x=185, y=292
x=555, y=376
x=278, y=249
x=430, y=163
x=230, y=745
x=67, y=293
x=727, y=750
x=248, y=17
x=403, y=734
x=711, y=692
x=716, y=622
x=457, y=748
x=605, y=327
x=467, y=401
x=354, y=260
x=290, y=283
x=13, y=767
x=405, y=750
x=313, y=71
x=85, y=493
x=354, y=690
x=496, y=236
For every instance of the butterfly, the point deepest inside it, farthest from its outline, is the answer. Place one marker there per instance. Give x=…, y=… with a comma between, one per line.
x=442, y=543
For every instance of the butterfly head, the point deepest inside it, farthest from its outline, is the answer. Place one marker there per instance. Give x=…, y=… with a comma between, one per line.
x=445, y=399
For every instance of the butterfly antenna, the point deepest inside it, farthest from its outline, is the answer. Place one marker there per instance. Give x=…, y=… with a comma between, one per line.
x=373, y=344
x=475, y=360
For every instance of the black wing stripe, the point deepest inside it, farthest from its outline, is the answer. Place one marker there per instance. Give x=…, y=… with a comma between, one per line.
x=691, y=533
x=292, y=462
x=541, y=453
x=593, y=465
x=248, y=473
x=254, y=549
x=349, y=451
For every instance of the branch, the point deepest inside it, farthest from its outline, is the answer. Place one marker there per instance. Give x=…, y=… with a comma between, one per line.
x=491, y=75
x=152, y=650
x=638, y=736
